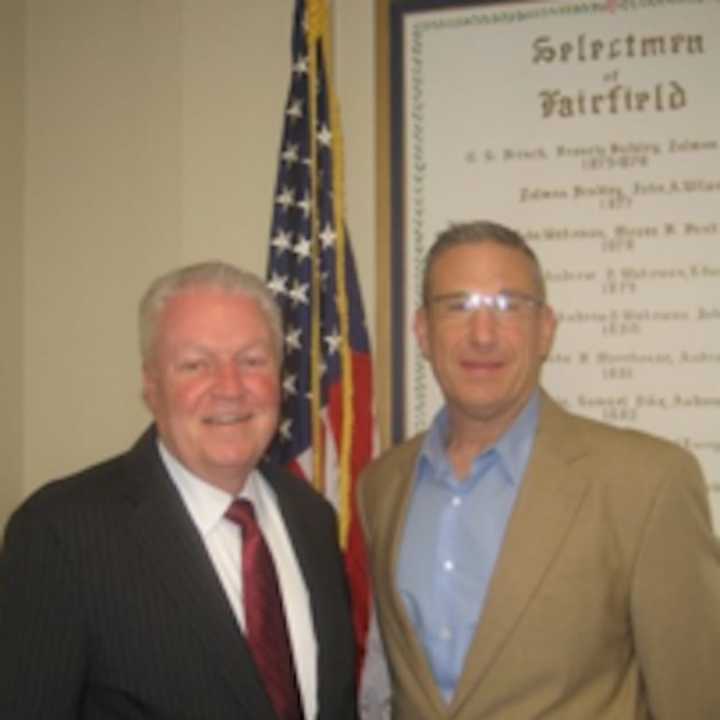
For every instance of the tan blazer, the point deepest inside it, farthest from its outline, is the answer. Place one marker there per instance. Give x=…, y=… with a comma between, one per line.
x=605, y=601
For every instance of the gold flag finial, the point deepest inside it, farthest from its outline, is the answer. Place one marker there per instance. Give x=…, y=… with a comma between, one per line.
x=316, y=18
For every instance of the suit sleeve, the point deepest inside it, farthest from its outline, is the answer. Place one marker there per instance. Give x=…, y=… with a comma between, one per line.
x=676, y=599
x=41, y=630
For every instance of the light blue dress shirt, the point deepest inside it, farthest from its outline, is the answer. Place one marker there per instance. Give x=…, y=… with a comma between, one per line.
x=452, y=538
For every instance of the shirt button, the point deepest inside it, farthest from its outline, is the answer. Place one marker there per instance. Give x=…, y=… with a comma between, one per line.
x=456, y=501
x=449, y=565
x=445, y=633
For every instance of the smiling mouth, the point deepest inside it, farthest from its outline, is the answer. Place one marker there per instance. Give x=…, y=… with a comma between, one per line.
x=482, y=365
x=226, y=420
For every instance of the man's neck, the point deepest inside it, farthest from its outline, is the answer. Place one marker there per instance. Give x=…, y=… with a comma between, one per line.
x=468, y=436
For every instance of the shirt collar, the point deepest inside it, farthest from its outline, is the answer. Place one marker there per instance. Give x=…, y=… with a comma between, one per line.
x=512, y=448
x=206, y=503
x=515, y=445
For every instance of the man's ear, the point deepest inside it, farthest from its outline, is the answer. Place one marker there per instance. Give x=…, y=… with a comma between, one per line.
x=548, y=325
x=149, y=386
x=420, y=328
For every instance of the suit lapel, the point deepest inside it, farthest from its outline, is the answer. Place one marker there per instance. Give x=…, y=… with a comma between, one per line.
x=176, y=553
x=397, y=493
x=544, y=510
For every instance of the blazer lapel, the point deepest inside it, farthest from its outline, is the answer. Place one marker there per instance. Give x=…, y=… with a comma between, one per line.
x=544, y=511
x=397, y=492
x=167, y=536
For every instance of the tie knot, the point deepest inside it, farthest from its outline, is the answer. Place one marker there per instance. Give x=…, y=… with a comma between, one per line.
x=242, y=513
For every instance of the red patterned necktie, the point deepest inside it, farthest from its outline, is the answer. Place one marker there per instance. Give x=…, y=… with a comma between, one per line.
x=265, y=624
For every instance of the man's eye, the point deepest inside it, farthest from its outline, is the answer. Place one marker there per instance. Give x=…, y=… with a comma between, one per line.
x=254, y=361
x=456, y=306
x=192, y=366
x=516, y=304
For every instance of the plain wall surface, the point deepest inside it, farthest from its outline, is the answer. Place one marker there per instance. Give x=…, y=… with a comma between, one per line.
x=11, y=257
x=139, y=135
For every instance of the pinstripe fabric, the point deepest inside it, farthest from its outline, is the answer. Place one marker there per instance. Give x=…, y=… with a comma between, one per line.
x=110, y=608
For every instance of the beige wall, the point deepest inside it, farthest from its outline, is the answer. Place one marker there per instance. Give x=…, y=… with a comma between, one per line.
x=11, y=263
x=151, y=131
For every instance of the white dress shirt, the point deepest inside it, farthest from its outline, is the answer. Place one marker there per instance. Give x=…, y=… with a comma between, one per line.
x=207, y=505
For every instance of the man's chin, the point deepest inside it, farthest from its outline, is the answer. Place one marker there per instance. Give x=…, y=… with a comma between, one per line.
x=228, y=473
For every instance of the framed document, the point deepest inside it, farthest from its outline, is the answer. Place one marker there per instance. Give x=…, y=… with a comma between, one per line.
x=592, y=128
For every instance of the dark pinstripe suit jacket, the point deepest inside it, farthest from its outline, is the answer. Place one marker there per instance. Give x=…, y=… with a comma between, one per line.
x=110, y=608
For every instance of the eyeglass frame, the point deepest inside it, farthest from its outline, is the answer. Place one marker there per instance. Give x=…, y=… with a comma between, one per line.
x=506, y=304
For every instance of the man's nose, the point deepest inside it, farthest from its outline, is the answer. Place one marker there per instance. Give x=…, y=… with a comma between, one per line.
x=229, y=378
x=483, y=326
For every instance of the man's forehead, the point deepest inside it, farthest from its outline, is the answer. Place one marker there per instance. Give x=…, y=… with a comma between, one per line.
x=200, y=314
x=201, y=300
x=487, y=262
x=481, y=246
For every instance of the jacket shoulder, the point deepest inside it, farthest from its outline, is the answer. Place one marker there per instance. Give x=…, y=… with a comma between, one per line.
x=400, y=456
x=629, y=444
x=629, y=469
x=84, y=486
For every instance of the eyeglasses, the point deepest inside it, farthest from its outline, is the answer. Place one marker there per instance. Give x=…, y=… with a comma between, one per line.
x=506, y=306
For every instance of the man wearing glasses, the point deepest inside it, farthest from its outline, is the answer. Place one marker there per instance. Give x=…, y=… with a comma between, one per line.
x=529, y=563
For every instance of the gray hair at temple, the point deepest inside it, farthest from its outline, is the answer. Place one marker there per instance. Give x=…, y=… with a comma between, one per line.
x=481, y=231
x=212, y=274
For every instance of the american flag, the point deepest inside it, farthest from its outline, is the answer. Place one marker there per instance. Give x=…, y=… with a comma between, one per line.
x=326, y=433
